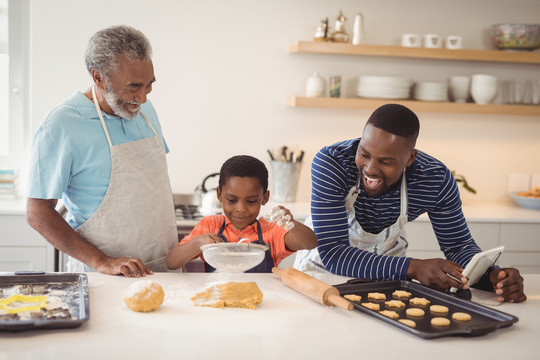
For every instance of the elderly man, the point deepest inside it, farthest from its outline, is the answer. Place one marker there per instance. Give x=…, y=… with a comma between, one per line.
x=103, y=153
x=365, y=190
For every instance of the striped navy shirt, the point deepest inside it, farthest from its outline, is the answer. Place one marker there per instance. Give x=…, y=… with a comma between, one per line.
x=431, y=188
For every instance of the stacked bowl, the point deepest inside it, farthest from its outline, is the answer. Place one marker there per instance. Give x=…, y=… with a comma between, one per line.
x=431, y=91
x=383, y=87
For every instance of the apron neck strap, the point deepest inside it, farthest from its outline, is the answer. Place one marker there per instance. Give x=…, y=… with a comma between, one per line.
x=404, y=198
x=222, y=228
x=100, y=115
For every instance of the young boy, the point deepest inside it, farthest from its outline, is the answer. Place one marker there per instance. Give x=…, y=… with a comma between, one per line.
x=243, y=189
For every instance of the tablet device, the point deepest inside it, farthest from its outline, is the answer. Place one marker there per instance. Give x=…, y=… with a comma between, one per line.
x=479, y=264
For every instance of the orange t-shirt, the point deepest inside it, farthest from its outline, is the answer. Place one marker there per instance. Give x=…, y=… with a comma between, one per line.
x=273, y=235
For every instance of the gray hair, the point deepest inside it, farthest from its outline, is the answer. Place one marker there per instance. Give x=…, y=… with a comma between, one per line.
x=107, y=46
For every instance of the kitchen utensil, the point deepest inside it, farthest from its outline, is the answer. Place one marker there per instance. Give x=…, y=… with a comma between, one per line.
x=431, y=91
x=315, y=86
x=460, y=88
x=233, y=257
x=432, y=41
x=335, y=86
x=340, y=35
x=210, y=204
x=484, y=88
x=383, y=87
x=62, y=299
x=359, y=36
x=454, y=42
x=516, y=36
x=411, y=40
x=483, y=319
x=311, y=287
x=33, y=303
x=285, y=177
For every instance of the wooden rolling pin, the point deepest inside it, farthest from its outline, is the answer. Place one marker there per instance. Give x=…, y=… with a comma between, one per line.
x=311, y=287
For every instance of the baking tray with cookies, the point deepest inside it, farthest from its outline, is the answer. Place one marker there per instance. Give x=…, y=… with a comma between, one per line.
x=422, y=311
x=38, y=300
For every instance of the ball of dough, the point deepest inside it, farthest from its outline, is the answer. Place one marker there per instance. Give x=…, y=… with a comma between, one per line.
x=144, y=296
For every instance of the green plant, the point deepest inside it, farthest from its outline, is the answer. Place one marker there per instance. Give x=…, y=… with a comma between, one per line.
x=461, y=179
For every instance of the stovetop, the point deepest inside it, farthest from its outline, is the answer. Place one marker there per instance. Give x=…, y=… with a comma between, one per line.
x=187, y=215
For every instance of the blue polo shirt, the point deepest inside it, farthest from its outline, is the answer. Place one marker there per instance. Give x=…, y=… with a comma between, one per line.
x=71, y=159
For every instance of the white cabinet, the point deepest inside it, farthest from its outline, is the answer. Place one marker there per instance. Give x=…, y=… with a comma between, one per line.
x=522, y=247
x=22, y=248
x=521, y=242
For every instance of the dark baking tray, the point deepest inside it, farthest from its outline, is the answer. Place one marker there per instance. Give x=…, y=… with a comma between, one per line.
x=74, y=287
x=484, y=319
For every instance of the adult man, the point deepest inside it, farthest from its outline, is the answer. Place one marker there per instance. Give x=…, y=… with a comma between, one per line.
x=365, y=190
x=102, y=152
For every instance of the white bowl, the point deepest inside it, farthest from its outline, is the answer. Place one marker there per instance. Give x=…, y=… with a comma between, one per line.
x=233, y=257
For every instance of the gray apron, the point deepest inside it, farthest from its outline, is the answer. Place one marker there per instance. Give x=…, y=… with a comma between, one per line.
x=136, y=217
x=391, y=241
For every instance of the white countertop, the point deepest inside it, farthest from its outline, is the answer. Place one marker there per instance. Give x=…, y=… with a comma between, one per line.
x=474, y=212
x=286, y=325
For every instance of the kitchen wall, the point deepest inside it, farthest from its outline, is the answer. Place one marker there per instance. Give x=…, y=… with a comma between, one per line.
x=223, y=73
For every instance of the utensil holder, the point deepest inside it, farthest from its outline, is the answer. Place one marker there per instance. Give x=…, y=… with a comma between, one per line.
x=285, y=180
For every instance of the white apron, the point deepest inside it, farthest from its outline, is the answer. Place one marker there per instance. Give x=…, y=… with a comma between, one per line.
x=391, y=241
x=136, y=218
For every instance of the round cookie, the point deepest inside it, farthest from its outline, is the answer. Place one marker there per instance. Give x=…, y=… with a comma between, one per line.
x=440, y=322
x=144, y=296
x=401, y=294
x=414, y=312
x=394, y=304
x=438, y=309
x=408, y=322
x=461, y=316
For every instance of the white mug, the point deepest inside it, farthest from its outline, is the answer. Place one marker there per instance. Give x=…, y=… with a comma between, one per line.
x=432, y=41
x=454, y=42
x=410, y=40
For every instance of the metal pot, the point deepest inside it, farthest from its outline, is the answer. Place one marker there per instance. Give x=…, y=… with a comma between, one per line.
x=210, y=204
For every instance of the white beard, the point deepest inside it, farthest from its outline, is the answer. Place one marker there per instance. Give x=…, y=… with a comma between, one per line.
x=118, y=106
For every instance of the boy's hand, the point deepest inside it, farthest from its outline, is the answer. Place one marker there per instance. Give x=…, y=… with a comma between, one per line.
x=204, y=239
x=282, y=217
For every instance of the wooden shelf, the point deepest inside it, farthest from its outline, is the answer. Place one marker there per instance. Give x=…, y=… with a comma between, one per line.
x=417, y=106
x=418, y=53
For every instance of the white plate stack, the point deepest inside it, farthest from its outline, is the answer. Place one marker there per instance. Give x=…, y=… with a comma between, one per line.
x=8, y=184
x=431, y=91
x=383, y=87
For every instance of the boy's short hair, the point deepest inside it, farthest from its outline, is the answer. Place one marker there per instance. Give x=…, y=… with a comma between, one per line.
x=396, y=119
x=244, y=166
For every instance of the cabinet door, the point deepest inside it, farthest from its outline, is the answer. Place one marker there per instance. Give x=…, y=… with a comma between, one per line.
x=423, y=243
x=23, y=259
x=522, y=247
x=17, y=232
